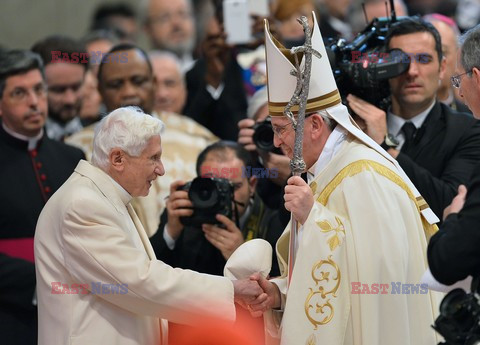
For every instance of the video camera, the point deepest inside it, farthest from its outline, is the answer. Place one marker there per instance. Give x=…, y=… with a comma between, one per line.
x=459, y=320
x=364, y=66
x=210, y=196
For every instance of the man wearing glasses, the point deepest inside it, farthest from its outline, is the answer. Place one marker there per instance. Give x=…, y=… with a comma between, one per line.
x=453, y=252
x=33, y=168
x=436, y=146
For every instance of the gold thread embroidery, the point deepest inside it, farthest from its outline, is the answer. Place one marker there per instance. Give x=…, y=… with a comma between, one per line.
x=357, y=167
x=311, y=340
x=322, y=292
x=313, y=187
x=337, y=238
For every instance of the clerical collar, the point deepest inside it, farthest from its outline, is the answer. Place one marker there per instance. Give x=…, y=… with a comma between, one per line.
x=395, y=122
x=124, y=195
x=334, y=141
x=32, y=141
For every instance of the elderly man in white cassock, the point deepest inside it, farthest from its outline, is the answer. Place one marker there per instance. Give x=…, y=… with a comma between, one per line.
x=361, y=224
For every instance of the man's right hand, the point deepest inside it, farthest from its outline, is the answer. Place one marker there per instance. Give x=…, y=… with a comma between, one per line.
x=245, y=135
x=271, y=298
x=178, y=205
x=247, y=291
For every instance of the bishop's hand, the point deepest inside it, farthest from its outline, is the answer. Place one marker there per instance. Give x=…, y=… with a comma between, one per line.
x=298, y=198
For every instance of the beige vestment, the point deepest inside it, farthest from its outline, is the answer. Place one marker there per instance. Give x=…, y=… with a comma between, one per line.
x=365, y=227
x=85, y=235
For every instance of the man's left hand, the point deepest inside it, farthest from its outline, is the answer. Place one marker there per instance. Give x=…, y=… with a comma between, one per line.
x=457, y=202
x=298, y=198
x=375, y=118
x=226, y=240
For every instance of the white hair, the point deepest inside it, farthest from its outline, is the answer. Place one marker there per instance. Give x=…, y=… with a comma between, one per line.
x=128, y=129
x=329, y=121
x=166, y=55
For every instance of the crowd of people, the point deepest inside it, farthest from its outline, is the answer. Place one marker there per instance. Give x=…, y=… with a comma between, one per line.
x=103, y=140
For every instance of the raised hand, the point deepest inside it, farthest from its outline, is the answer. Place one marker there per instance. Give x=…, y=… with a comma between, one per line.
x=375, y=119
x=226, y=240
x=178, y=205
x=245, y=135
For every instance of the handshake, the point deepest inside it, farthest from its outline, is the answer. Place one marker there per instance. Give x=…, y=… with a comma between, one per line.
x=257, y=294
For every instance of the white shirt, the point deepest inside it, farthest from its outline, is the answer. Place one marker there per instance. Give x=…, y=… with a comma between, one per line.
x=395, y=124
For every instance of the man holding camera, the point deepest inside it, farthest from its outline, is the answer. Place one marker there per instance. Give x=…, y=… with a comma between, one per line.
x=436, y=146
x=256, y=136
x=361, y=221
x=208, y=239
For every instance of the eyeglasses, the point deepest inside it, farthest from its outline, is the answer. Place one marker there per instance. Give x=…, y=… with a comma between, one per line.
x=280, y=130
x=21, y=94
x=456, y=80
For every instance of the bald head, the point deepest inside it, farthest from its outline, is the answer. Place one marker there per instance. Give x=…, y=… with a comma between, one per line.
x=171, y=92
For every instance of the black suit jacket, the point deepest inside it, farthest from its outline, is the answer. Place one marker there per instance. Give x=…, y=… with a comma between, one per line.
x=220, y=116
x=454, y=251
x=445, y=151
x=27, y=180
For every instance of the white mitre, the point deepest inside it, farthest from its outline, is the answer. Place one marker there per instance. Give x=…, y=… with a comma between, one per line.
x=322, y=95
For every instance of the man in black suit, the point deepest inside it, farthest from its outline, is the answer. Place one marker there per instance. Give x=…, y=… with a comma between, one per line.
x=437, y=147
x=453, y=253
x=33, y=168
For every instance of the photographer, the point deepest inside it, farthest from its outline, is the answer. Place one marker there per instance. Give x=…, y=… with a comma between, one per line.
x=205, y=248
x=437, y=147
x=256, y=136
x=453, y=253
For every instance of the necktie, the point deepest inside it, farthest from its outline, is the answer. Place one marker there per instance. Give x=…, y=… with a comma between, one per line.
x=409, y=130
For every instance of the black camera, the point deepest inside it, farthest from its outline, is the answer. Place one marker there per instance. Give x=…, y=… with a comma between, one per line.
x=263, y=135
x=459, y=320
x=210, y=196
x=364, y=66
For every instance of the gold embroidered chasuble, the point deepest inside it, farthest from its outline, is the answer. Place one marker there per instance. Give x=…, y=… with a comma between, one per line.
x=364, y=228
